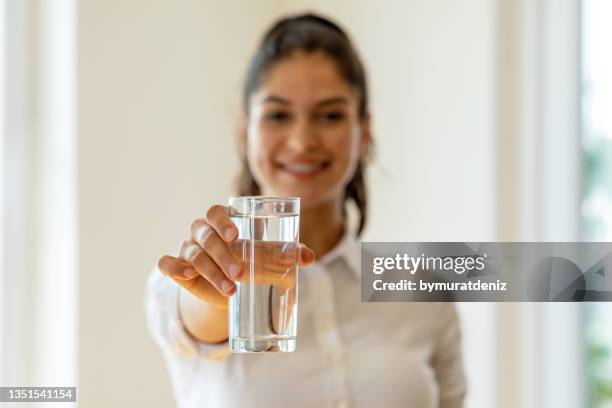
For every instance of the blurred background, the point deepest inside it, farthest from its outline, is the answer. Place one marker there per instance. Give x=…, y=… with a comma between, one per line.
x=492, y=122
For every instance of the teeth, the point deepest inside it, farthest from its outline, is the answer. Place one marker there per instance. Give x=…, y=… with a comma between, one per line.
x=302, y=168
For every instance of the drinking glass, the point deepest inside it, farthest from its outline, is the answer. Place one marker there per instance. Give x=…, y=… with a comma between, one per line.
x=263, y=310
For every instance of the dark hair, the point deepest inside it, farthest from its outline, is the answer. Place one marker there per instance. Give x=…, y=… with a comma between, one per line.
x=310, y=33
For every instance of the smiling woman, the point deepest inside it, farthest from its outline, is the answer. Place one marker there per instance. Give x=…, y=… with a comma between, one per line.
x=307, y=80
x=325, y=116
x=304, y=125
x=304, y=132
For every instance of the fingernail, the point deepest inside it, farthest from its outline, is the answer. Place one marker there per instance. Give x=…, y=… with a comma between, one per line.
x=226, y=286
x=234, y=270
x=229, y=234
x=190, y=273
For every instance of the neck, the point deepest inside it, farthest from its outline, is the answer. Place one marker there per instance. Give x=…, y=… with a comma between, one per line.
x=321, y=227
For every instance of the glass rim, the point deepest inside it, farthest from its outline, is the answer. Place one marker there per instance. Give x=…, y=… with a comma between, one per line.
x=264, y=198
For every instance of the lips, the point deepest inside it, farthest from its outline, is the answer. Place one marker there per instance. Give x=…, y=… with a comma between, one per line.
x=303, y=169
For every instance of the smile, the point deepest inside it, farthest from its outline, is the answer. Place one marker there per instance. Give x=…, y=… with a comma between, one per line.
x=303, y=170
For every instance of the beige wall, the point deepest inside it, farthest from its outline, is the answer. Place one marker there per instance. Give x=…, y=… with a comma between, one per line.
x=159, y=86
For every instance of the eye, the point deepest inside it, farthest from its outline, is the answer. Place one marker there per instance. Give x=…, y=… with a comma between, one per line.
x=278, y=116
x=332, y=116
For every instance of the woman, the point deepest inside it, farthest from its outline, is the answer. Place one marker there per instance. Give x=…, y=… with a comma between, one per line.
x=305, y=131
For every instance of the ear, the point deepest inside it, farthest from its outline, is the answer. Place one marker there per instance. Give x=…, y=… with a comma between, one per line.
x=241, y=139
x=366, y=136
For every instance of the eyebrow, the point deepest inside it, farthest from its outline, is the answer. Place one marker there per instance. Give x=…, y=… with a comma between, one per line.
x=326, y=101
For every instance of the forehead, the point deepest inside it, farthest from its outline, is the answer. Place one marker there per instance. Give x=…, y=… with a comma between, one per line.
x=304, y=77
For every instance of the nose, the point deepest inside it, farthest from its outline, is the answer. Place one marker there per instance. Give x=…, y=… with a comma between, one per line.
x=303, y=136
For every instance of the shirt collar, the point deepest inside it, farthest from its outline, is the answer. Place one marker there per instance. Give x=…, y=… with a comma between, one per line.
x=347, y=249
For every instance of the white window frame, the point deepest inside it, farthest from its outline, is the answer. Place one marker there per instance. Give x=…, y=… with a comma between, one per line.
x=541, y=345
x=39, y=266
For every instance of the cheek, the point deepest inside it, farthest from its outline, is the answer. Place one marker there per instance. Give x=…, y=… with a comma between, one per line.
x=346, y=153
x=259, y=152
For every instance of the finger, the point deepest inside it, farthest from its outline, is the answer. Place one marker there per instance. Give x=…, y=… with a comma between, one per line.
x=207, y=267
x=176, y=268
x=206, y=291
x=217, y=217
x=198, y=285
x=307, y=255
x=272, y=263
x=208, y=239
x=270, y=257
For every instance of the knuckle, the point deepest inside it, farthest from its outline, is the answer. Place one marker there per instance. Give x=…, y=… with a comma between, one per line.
x=200, y=259
x=209, y=269
x=192, y=252
x=213, y=211
x=183, y=248
x=196, y=225
x=206, y=238
x=227, y=260
x=210, y=274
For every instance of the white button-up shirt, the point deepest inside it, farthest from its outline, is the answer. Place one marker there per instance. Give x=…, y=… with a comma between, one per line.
x=348, y=354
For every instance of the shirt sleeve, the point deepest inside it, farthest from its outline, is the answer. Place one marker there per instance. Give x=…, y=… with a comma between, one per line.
x=166, y=327
x=448, y=360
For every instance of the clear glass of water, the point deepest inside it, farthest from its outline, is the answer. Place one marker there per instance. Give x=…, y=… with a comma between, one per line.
x=263, y=311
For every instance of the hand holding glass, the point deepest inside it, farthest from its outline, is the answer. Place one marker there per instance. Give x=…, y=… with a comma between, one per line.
x=263, y=310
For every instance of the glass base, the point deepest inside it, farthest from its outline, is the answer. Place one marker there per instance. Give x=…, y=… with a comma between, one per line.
x=270, y=345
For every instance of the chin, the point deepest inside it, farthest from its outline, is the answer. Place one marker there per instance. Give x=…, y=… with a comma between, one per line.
x=307, y=202
x=308, y=199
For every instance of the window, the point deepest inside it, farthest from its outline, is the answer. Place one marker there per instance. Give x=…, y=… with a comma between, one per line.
x=38, y=244
x=597, y=190
x=2, y=161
